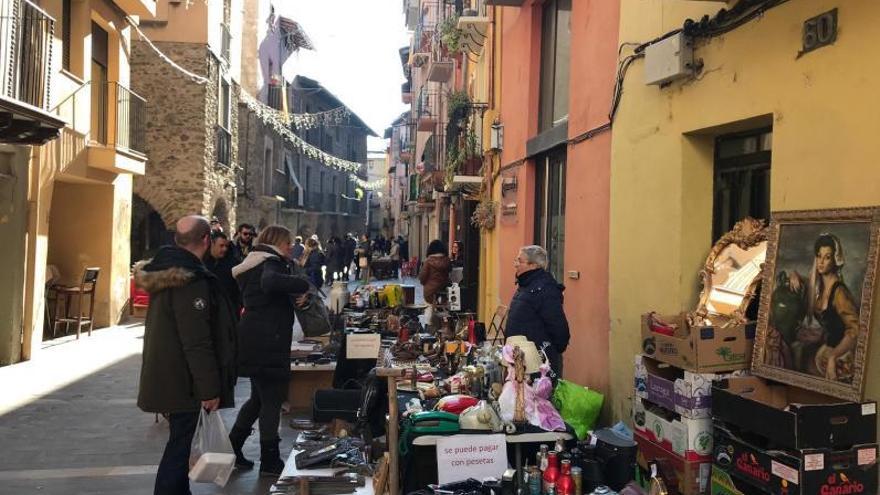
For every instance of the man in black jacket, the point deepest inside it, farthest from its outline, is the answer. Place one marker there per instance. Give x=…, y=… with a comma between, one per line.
x=189, y=346
x=220, y=260
x=536, y=308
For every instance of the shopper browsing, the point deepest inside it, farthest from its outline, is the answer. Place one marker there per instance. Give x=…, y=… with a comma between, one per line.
x=268, y=290
x=536, y=308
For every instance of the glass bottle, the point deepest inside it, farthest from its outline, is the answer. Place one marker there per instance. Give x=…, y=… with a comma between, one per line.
x=602, y=490
x=551, y=474
x=560, y=447
x=565, y=483
x=578, y=478
x=541, y=460
x=535, y=481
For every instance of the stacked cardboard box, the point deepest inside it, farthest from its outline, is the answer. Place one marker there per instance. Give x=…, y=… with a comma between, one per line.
x=672, y=409
x=777, y=439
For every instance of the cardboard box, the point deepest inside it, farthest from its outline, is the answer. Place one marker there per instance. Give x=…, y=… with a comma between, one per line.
x=689, y=438
x=801, y=472
x=722, y=483
x=682, y=477
x=794, y=418
x=685, y=392
x=707, y=349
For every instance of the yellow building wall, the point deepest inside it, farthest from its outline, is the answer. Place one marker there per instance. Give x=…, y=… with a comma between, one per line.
x=486, y=78
x=825, y=116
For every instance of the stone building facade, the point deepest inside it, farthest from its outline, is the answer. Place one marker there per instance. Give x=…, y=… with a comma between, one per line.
x=331, y=204
x=185, y=174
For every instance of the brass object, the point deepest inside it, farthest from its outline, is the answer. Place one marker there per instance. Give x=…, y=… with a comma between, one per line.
x=732, y=273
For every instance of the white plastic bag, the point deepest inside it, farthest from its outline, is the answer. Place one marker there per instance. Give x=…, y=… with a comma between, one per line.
x=211, y=459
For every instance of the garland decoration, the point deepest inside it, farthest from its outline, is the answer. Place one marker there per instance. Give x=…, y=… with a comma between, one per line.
x=277, y=121
x=336, y=116
x=369, y=186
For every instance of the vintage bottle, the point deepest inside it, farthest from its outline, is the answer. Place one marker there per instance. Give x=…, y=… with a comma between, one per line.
x=551, y=474
x=565, y=483
x=560, y=446
x=541, y=459
x=578, y=478
x=535, y=481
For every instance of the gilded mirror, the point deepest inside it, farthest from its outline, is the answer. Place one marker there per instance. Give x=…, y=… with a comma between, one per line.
x=732, y=271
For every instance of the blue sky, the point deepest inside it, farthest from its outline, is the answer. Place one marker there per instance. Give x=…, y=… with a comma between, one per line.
x=356, y=57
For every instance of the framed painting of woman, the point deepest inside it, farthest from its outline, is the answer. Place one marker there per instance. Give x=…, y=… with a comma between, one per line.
x=814, y=320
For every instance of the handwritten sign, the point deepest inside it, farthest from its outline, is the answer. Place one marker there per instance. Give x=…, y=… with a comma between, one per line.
x=362, y=345
x=460, y=457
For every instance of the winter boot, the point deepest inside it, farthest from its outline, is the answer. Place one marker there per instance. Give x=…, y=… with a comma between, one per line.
x=270, y=458
x=237, y=437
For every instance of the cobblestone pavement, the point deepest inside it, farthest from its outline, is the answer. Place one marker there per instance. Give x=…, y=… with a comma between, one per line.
x=69, y=423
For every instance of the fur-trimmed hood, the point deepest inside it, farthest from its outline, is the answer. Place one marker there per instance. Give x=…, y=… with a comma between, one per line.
x=255, y=258
x=171, y=267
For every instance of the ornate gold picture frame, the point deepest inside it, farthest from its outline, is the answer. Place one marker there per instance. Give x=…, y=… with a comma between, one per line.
x=732, y=272
x=814, y=320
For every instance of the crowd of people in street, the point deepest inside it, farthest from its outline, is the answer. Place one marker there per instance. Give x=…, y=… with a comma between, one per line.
x=223, y=308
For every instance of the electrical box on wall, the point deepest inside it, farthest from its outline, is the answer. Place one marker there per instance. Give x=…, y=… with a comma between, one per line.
x=669, y=59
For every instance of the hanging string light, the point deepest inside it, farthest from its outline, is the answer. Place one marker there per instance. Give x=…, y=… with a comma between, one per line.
x=336, y=116
x=369, y=186
x=275, y=119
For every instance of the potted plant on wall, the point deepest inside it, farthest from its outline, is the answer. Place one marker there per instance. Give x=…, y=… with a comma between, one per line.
x=450, y=35
x=458, y=104
x=485, y=214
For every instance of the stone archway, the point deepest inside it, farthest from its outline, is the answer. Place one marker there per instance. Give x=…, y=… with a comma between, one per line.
x=221, y=212
x=148, y=230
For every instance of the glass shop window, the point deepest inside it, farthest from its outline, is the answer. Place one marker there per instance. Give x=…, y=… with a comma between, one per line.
x=550, y=208
x=742, y=179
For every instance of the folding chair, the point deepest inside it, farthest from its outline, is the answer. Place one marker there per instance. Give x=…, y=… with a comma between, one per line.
x=496, y=326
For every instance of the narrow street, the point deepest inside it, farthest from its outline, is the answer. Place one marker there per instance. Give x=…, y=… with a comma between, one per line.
x=70, y=423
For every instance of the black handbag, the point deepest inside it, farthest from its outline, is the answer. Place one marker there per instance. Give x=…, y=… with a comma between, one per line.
x=314, y=318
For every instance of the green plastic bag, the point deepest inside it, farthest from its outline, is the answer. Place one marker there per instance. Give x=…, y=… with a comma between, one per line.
x=579, y=406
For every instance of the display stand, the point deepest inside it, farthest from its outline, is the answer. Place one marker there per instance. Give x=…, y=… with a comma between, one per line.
x=393, y=434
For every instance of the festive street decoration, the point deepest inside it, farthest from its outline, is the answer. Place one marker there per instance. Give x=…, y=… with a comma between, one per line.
x=336, y=116
x=369, y=186
x=275, y=119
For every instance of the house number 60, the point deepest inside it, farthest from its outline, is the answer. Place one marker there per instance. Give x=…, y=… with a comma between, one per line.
x=820, y=31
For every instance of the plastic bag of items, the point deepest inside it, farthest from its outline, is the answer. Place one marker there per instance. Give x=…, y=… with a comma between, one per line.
x=211, y=457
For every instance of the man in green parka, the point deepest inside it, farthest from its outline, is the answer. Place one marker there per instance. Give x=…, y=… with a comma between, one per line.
x=189, y=346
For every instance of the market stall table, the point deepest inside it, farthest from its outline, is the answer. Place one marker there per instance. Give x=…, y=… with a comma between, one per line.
x=290, y=469
x=305, y=379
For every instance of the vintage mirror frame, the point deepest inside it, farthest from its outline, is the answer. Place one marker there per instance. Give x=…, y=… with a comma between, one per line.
x=747, y=233
x=847, y=391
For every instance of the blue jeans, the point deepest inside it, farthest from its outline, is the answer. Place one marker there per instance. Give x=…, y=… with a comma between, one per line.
x=172, y=477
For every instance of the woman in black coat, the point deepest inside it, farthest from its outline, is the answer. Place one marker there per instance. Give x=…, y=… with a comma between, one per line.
x=268, y=284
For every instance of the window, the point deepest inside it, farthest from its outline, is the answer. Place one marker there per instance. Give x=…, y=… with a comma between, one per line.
x=268, y=167
x=223, y=116
x=65, y=34
x=742, y=179
x=555, y=55
x=550, y=208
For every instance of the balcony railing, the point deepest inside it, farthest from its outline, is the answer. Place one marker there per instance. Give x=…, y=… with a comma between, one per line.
x=224, y=146
x=131, y=118
x=274, y=96
x=225, y=41
x=26, y=34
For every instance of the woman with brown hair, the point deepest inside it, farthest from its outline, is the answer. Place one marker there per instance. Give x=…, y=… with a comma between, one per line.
x=267, y=281
x=313, y=261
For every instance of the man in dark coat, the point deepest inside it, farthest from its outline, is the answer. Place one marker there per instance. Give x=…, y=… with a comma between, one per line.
x=189, y=346
x=219, y=260
x=348, y=247
x=244, y=241
x=536, y=308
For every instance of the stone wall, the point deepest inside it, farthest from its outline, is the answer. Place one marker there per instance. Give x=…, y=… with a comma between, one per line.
x=182, y=176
